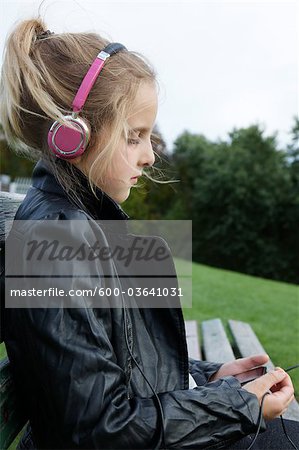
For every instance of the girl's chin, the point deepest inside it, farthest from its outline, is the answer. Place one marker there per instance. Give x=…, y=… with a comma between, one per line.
x=125, y=197
x=120, y=197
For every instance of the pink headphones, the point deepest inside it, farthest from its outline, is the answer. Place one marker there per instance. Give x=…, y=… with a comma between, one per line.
x=66, y=142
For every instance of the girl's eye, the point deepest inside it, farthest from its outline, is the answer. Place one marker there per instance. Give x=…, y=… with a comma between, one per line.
x=133, y=141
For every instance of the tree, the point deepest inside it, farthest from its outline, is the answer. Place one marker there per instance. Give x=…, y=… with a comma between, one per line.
x=293, y=147
x=11, y=163
x=241, y=199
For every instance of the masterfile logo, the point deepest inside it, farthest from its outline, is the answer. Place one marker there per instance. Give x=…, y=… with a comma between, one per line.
x=59, y=263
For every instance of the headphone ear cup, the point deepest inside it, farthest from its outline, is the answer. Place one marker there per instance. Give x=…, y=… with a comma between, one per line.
x=69, y=142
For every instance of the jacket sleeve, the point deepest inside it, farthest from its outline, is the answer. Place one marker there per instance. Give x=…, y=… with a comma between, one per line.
x=202, y=371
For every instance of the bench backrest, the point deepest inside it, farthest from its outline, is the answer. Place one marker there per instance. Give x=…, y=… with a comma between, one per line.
x=9, y=203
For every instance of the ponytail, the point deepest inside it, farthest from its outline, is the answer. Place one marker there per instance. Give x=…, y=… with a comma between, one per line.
x=20, y=76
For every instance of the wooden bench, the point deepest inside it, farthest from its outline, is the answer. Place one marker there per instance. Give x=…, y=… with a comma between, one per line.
x=216, y=347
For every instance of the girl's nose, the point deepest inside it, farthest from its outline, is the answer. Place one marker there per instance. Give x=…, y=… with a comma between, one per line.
x=147, y=157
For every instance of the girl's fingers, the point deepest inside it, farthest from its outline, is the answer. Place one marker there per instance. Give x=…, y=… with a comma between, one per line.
x=285, y=394
x=243, y=364
x=286, y=382
x=252, y=361
x=266, y=382
x=240, y=365
x=281, y=396
x=271, y=379
x=286, y=391
x=257, y=360
x=276, y=404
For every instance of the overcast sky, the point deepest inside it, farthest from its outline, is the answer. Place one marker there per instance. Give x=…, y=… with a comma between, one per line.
x=220, y=64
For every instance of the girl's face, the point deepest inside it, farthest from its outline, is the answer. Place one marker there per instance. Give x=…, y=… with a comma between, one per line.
x=131, y=156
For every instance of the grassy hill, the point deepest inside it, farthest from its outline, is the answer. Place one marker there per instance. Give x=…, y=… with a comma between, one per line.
x=271, y=308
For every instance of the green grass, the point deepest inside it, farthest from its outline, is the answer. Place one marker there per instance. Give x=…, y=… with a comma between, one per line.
x=271, y=308
x=2, y=351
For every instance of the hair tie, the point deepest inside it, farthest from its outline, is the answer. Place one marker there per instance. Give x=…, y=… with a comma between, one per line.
x=44, y=34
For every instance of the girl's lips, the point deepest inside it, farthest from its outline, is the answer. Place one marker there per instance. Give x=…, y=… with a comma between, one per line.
x=136, y=177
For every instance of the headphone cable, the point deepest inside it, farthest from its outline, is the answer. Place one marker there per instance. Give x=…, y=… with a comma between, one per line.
x=259, y=421
x=160, y=408
x=291, y=368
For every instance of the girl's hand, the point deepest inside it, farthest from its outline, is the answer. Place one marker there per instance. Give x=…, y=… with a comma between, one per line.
x=281, y=392
x=239, y=366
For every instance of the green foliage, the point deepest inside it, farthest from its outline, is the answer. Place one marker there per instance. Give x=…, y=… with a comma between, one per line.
x=150, y=201
x=293, y=148
x=242, y=196
x=12, y=164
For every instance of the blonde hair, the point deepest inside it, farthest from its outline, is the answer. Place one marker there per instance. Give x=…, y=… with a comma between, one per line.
x=40, y=76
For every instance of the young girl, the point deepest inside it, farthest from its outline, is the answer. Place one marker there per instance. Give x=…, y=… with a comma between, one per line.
x=106, y=377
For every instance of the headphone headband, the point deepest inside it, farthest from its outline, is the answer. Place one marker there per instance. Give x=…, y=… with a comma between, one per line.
x=93, y=73
x=70, y=142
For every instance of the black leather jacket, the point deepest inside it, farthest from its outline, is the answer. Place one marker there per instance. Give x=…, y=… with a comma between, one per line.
x=76, y=376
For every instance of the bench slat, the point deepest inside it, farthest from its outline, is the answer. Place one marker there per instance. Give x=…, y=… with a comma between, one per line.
x=246, y=340
x=215, y=343
x=192, y=339
x=248, y=345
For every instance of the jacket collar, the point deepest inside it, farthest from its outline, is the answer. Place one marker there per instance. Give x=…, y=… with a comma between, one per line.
x=104, y=207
